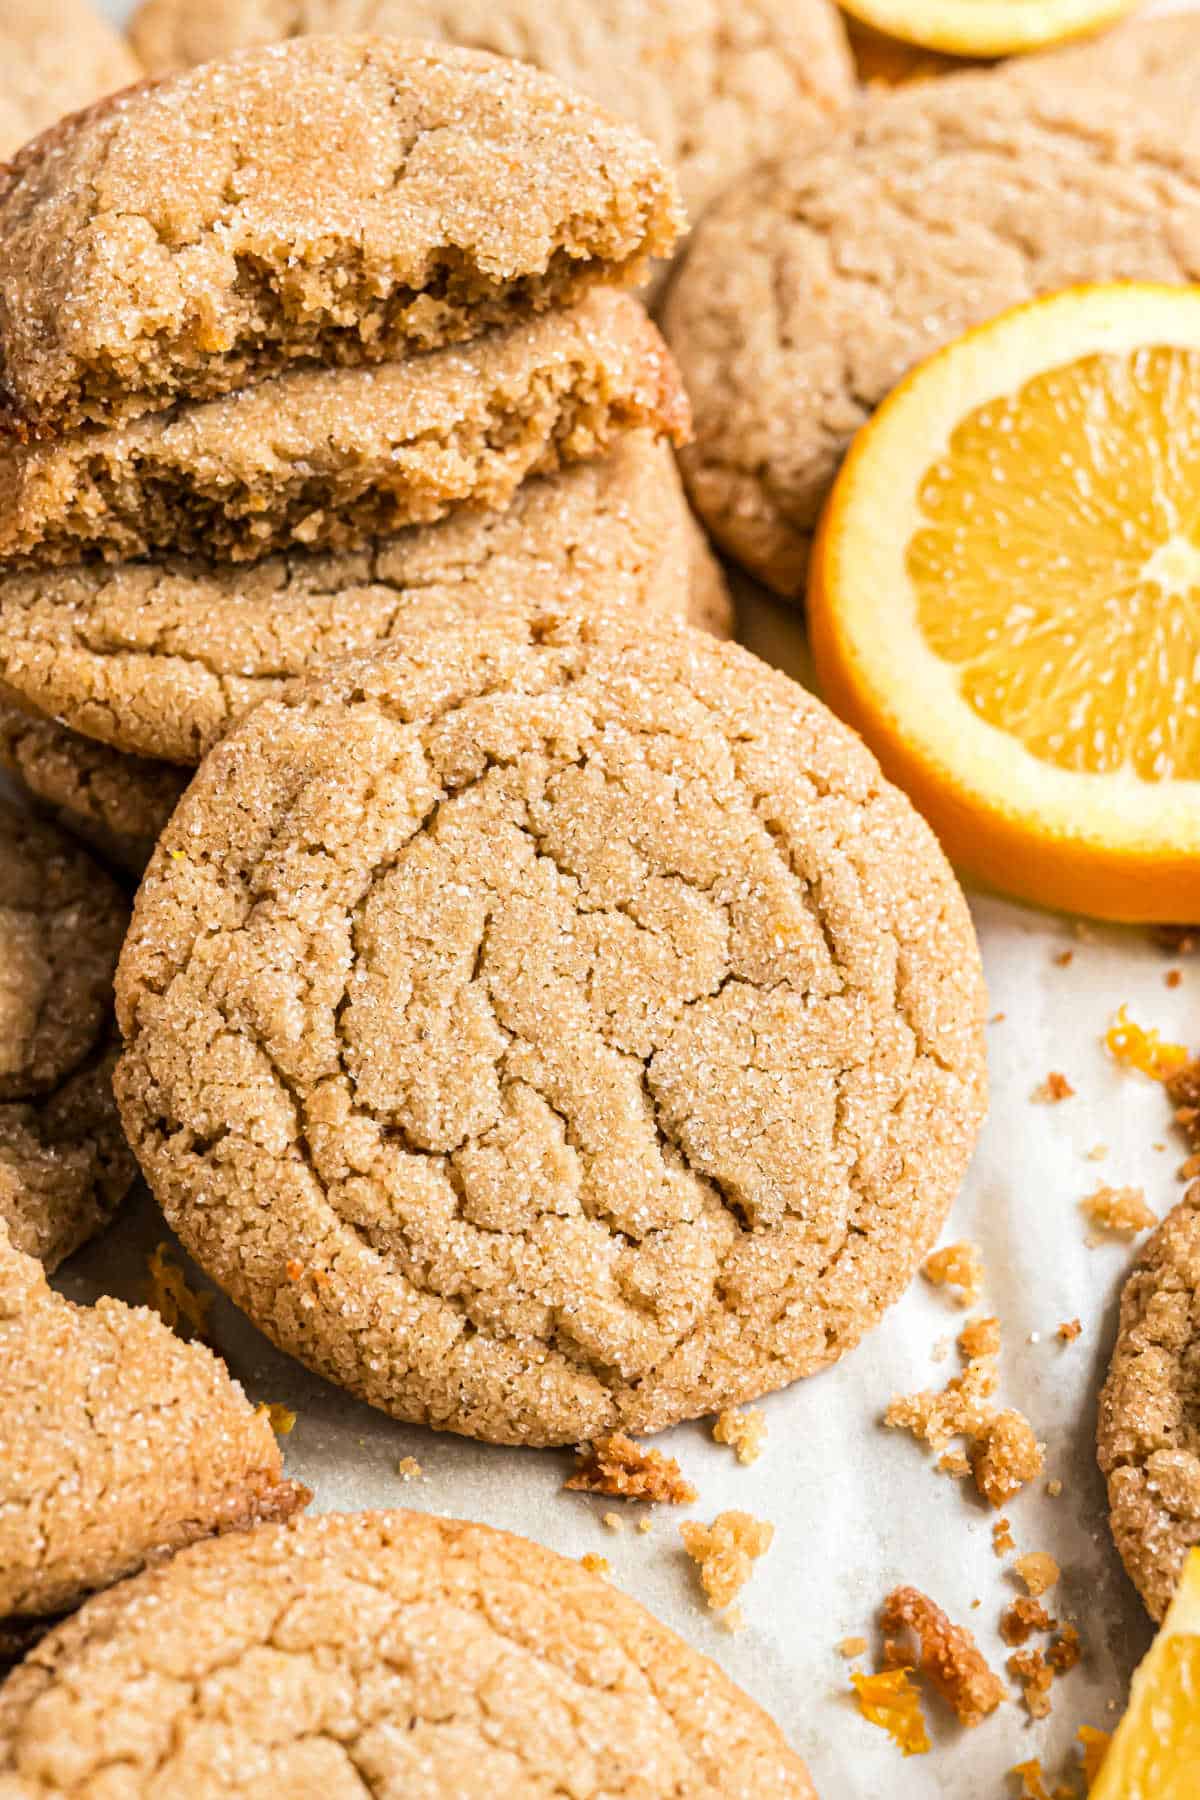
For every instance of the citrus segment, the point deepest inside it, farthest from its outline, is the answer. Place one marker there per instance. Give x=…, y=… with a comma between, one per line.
x=987, y=27
x=1005, y=598
x=1155, y=1752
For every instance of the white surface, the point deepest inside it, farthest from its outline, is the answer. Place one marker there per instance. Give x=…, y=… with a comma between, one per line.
x=857, y=1508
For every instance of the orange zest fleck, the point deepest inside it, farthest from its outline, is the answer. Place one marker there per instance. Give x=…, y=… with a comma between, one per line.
x=1135, y=1046
x=891, y=1700
x=181, y=1307
x=1030, y=1777
x=282, y=1418
x=1095, y=1743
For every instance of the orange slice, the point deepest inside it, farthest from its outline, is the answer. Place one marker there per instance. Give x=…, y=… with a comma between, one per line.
x=1155, y=1752
x=1005, y=599
x=987, y=27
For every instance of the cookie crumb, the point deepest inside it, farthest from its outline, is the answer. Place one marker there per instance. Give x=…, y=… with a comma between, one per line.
x=852, y=1646
x=282, y=1418
x=409, y=1469
x=1122, y=1211
x=181, y=1307
x=1140, y=1047
x=958, y=1266
x=595, y=1565
x=726, y=1552
x=1097, y=1153
x=1021, y=1618
x=948, y=1655
x=1002, y=1538
x=745, y=1432
x=1066, y=1651
x=1038, y=1570
x=1056, y=1087
x=954, y=1463
x=1006, y=1457
x=1069, y=1330
x=646, y=1526
x=1183, y=1091
x=980, y=1337
x=626, y=1470
x=890, y=1700
x=612, y=1521
x=1054, y=1488
x=1034, y=1676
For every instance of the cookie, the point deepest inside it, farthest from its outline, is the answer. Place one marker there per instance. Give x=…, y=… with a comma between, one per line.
x=330, y=457
x=814, y=284
x=716, y=85
x=139, y=1444
x=117, y=804
x=38, y=81
x=157, y=661
x=334, y=200
x=64, y=1163
x=381, y=1653
x=553, y=1026
x=1148, y=1435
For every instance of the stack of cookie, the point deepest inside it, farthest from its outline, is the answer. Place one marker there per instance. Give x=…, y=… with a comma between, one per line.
x=292, y=345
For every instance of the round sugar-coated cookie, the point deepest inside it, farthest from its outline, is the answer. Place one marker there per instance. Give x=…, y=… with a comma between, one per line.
x=157, y=659
x=381, y=1654
x=117, y=804
x=338, y=200
x=817, y=281
x=716, y=84
x=552, y=1026
x=118, y=1444
x=64, y=1162
x=55, y=56
x=1148, y=1436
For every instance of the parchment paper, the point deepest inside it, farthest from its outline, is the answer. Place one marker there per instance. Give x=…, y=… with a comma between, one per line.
x=857, y=1508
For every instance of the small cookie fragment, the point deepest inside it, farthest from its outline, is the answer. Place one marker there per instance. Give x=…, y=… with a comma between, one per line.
x=852, y=1646
x=626, y=1470
x=1069, y=1330
x=948, y=1655
x=1122, y=1211
x=726, y=1551
x=409, y=1469
x=958, y=1266
x=1021, y=1618
x=1183, y=1091
x=1056, y=1087
x=1006, y=1458
x=1003, y=1543
x=745, y=1432
x=594, y=1564
x=118, y=1443
x=1038, y=1570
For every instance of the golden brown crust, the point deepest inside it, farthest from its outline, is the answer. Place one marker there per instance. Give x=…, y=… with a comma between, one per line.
x=342, y=200
x=137, y=1445
x=158, y=659
x=606, y=1029
x=716, y=84
x=382, y=1652
x=1148, y=1432
x=64, y=1162
x=330, y=457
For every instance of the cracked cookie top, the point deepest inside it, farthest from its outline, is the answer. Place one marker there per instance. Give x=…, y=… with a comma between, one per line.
x=137, y=1444
x=342, y=200
x=716, y=84
x=381, y=1654
x=64, y=1164
x=158, y=659
x=1148, y=1437
x=815, y=283
x=552, y=1027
